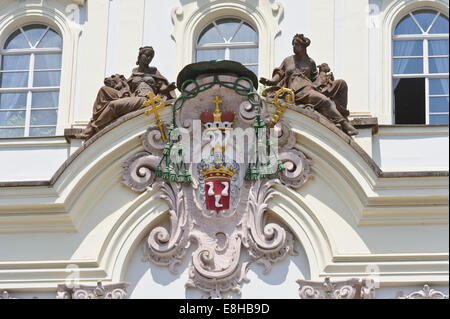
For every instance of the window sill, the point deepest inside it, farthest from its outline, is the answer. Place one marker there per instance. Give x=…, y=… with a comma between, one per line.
x=412, y=129
x=33, y=141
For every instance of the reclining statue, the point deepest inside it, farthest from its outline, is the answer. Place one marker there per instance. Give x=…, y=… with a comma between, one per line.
x=319, y=91
x=120, y=96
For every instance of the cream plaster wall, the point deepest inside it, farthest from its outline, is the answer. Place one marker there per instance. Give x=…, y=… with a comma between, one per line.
x=411, y=148
x=37, y=159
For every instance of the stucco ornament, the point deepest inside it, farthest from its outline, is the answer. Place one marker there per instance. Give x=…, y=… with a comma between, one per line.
x=348, y=289
x=425, y=293
x=100, y=291
x=217, y=172
x=5, y=295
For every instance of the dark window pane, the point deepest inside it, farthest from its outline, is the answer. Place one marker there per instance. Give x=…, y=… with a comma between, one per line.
x=47, y=61
x=438, y=65
x=34, y=32
x=12, y=118
x=440, y=26
x=409, y=97
x=17, y=41
x=43, y=117
x=438, y=47
x=408, y=48
x=210, y=35
x=13, y=100
x=45, y=99
x=51, y=40
x=209, y=55
x=42, y=131
x=11, y=132
x=14, y=80
x=407, y=26
x=228, y=27
x=438, y=104
x=425, y=17
x=16, y=62
x=438, y=86
x=43, y=79
x=439, y=119
x=408, y=66
x=246, y=34
x=243, y=56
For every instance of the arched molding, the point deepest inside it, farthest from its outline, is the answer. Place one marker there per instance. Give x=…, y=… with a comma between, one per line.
x=60, y=17
x=390, y=16
x=190, y=19
x=129, y=235
x=71, y=204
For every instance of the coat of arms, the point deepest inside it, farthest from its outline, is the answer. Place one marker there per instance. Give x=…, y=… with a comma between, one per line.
x=218, y=171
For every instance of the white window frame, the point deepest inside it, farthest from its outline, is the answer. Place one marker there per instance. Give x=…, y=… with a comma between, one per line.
x=30, y=89
x=190, y=19
x=227, y=44
x=424, y=37
x=391, y=13
x=59, y=16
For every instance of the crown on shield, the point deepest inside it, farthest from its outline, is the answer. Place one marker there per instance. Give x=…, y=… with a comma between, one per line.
x=218, y=171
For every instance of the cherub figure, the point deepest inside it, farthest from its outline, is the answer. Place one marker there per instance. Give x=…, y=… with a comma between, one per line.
x=113, y=100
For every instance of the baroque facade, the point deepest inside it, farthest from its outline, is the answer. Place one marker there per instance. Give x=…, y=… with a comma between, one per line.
x=109, y=214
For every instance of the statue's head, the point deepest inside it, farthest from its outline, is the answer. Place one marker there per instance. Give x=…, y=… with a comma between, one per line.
x=145, y=56
x=114, y=80
x=302, y=40
x=324, y=67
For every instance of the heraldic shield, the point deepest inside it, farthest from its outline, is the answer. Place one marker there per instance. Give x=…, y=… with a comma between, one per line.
x=218, y=194
x=216, y=165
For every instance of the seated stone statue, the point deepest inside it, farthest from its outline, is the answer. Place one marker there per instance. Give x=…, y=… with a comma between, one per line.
x=120, y=96
x=299, y=73
x=145, y=78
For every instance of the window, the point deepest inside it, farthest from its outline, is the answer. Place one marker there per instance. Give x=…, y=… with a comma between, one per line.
x=421, y=68
x=29, y=82
x=229, y=39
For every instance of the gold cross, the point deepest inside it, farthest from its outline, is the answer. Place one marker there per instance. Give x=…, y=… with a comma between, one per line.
x=152, y=99
x=217, y=102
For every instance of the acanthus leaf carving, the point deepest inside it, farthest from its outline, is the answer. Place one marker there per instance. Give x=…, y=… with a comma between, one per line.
x=100, y=291
x=347, y=289
x=166, y=248
x=425, y=293
x=267, y=243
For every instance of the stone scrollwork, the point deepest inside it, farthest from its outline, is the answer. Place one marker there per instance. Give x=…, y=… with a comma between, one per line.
x=425, y=293
x=139, y=171
x=284, y=134
x=266, y=243
x=248, y=112
x=349, y=289
x=152, y=140
x=166, y=248
x=100, y=291
x=297, y=168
